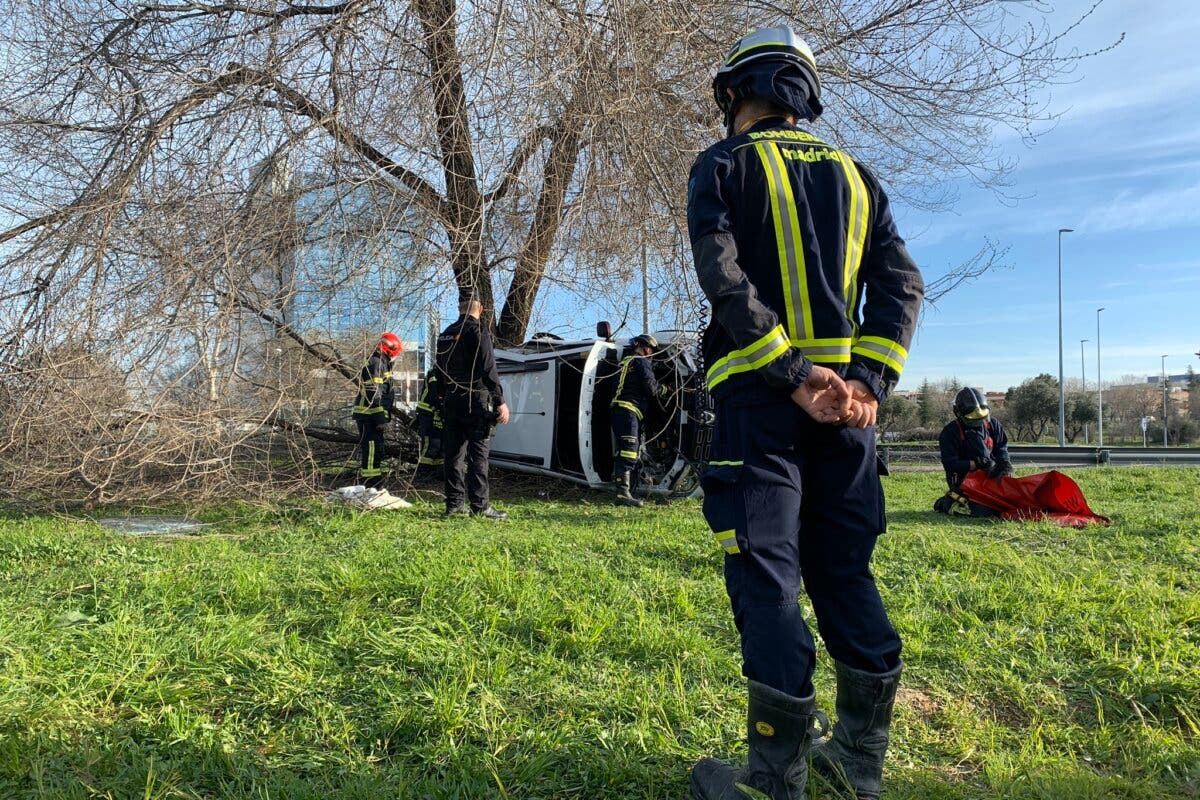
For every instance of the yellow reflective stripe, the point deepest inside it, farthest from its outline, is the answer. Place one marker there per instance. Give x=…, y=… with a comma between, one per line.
x=768, y=348
x=625, y=364
x=370, y=455
x=425, y=407
x=825, y=351
x=387, y=375
x=726, y=463
x=882, y=350
x=728, y=540
x=370, y=409
x=856, y=235
x=630, y=454
x=377, y=380
x=630, y=406
x=894, y=347
x=788, y=241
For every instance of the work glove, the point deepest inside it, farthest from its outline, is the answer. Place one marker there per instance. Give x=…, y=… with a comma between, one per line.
x=984, y=463
x=1001, y=469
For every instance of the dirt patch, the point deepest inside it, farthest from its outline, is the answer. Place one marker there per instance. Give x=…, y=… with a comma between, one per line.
x=920, y=701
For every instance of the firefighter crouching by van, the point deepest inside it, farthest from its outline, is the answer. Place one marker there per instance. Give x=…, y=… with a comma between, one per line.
x=429, y=425
x=636, y=388
x=373, y=406
x=814, y=302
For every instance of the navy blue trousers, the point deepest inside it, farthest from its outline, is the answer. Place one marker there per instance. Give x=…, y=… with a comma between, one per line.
x=371, y=450
x=626, y=428
x=797, y=503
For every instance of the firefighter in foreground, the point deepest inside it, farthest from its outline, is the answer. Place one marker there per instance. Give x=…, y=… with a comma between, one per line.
x=472, y=402
x=974, y=440
x=372, y=410
x=636, y=388
x=814, y=302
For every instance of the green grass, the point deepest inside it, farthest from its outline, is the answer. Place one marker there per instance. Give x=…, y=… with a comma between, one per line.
x=579, y=651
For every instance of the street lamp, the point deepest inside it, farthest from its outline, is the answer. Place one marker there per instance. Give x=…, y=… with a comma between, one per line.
x=1099, y=387
x=1164, y=382
x=1083, y=379
x=1062, y=393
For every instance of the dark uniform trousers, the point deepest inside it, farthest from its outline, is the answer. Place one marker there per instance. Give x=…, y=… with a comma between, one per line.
x=466, y=440
x=371, y=449
x=626, y=428
x=794, y=501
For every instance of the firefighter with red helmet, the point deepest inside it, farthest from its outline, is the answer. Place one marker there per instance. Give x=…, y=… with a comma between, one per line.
x=373, y=407
x=814, y=302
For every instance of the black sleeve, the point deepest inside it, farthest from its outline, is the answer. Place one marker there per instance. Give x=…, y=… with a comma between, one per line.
x=649, y=382
x=487, y=366
x=1000, y=443
x=951, y=460
x=893, y=290
x=754, y=327
x=376, y=391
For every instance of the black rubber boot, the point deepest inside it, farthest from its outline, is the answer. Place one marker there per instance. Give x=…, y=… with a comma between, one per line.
x=853, y=759
x=780, y=732
x=624, y=496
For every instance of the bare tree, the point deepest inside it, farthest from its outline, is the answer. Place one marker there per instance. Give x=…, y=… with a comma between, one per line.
x=188, y=187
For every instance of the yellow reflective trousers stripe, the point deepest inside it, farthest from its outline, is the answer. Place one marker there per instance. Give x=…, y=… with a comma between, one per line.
x=625, y=404
x=728, y=540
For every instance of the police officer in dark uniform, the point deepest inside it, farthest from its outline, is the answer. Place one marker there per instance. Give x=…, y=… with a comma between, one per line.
x=814, y=302
x=472, y=403
x=372, y=407
x=974, y=440
x=636, y=388
x=429, y=424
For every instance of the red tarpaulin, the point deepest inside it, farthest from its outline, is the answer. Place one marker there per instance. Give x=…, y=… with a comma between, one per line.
x=1048, y=495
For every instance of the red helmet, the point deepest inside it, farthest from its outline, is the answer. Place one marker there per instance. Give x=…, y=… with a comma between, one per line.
x=390, y=344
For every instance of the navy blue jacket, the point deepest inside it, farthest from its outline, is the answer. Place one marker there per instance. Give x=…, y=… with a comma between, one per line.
x=375, y=396
x=796, y=250
x=636, y=385
x=466, y=370
x=961, y=445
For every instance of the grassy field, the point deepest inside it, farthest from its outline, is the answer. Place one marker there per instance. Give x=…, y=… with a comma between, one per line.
x=578, y=651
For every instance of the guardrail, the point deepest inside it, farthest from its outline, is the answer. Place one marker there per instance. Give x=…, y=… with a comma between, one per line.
x=1052, y=456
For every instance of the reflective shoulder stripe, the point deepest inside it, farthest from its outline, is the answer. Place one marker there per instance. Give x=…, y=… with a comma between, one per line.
x=626, y=363
x=787, y=239
x=883, y=350
x=856, y=235
x=768, y=348
x=728, y=540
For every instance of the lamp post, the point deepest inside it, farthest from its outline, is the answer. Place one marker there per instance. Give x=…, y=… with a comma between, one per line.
x=1099, y=387
x=1062, y=392
x=1083, y=379
x=1164, y=383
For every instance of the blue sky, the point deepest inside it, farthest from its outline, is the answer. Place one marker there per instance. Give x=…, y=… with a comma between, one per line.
x=1121, y=167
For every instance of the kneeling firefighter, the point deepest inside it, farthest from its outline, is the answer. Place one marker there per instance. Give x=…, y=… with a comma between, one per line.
x=974, y=440
x=814, y=301
x=636, y=388
x=373, y=407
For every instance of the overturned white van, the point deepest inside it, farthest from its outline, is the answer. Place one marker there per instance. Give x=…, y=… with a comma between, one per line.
x=560, y=393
